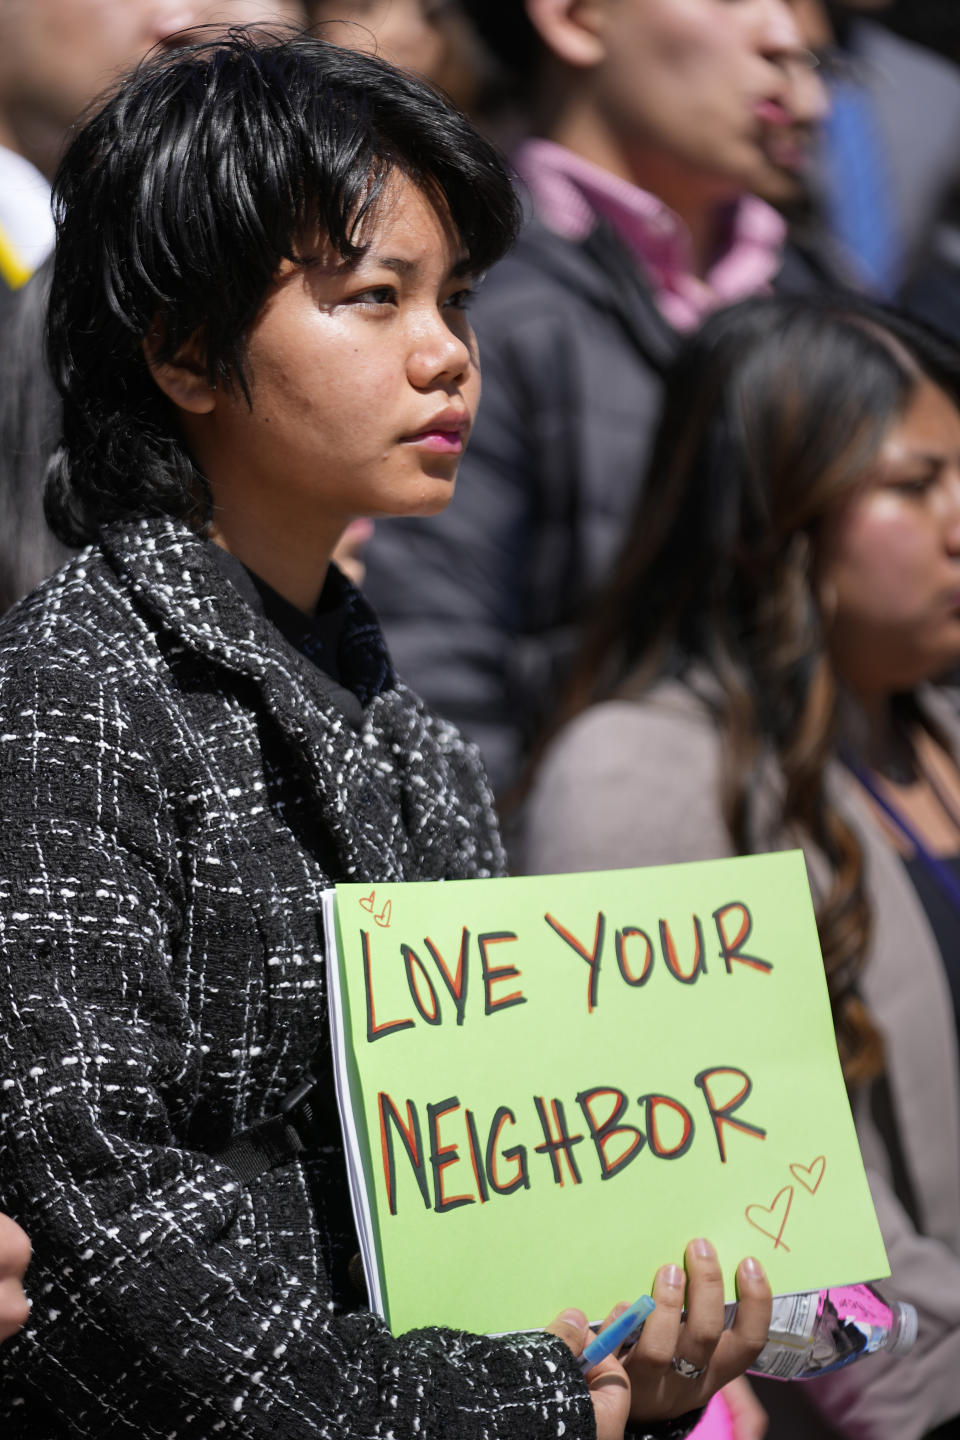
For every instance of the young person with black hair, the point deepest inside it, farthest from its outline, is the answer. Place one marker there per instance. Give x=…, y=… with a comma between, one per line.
x=758, y=676
x=257, y=325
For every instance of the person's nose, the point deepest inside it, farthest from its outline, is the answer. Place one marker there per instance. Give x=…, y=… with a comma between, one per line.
x=779, y=35
x=781, y=42
x=807, y=97
x=442, y=350
x=951, y=514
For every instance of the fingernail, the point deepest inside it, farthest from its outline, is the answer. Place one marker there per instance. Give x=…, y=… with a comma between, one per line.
x=574, y=1317
x=672, y=1275
x=751, y=1268
x=703, y=1249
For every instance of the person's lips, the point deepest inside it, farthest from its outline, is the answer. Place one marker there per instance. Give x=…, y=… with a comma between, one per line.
x=784, y=139
x=773, y=112
x=445, y=434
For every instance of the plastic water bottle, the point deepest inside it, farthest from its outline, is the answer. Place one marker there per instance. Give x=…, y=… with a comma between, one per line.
x=812, y=1334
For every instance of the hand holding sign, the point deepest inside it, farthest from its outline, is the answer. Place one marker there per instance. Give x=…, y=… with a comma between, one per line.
x=686, y=1325
x=659, y=1388
x=609, y=1383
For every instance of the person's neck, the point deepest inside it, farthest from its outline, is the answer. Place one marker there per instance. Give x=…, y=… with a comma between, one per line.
x=295, y=566
x=872, y=730
x=698, y=200
x=31, y=138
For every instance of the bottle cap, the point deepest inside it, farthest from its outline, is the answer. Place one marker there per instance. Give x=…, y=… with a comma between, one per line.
x=905, y=1329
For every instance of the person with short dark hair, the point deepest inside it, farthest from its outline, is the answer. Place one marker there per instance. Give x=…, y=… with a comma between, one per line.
x=762, y=674
x=257, y=325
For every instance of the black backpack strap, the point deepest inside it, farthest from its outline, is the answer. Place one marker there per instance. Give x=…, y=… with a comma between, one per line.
x=278, y=1139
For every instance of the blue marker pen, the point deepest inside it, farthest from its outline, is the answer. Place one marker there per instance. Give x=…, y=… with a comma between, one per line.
x=622, y=1331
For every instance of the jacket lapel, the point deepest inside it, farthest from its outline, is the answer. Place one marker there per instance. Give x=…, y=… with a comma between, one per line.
x=387, y=792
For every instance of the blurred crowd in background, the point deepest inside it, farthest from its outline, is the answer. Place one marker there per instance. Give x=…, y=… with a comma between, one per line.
x=675, y=157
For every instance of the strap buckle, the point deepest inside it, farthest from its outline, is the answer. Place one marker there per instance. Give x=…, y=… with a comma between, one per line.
x=298, y=1110
x=281, y=1137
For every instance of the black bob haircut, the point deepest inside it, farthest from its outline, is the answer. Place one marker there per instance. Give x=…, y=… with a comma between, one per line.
x=176, y=203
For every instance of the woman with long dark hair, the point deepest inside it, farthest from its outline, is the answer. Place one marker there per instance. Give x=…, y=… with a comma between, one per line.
x=759, y=676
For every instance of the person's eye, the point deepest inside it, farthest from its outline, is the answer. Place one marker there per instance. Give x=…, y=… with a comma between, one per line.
x=460, y=299
x=376, y=296
x=913, y=485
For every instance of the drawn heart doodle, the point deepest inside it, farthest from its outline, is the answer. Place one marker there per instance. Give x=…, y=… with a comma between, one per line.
x=383, y=919
x=810, y=1175
x=771, y=1220
x=368, y=900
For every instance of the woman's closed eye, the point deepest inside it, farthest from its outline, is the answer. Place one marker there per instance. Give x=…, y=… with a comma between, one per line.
x=916, y=485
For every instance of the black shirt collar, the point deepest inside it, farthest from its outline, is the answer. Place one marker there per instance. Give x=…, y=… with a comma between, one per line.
x=329, y=638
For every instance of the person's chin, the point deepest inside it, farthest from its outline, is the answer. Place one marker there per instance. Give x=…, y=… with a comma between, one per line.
x=437, y=501
x=428, y=497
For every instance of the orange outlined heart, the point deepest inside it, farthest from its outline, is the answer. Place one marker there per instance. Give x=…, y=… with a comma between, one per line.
x=367, y=901
x=383, y=919
x=771, y=1220
x=812, y=1172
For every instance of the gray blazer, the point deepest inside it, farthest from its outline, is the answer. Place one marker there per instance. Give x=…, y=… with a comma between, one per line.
x=636, y=783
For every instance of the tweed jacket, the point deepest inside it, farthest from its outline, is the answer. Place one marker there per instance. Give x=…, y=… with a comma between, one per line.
x=636, y=782
x=178, y=788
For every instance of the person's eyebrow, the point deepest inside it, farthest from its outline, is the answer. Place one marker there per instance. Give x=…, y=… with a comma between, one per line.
x=461, y=267
x=390, y=262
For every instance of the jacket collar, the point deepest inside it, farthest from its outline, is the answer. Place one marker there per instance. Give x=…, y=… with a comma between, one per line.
x=173, y=575
x=391, y=796
x=601, y=270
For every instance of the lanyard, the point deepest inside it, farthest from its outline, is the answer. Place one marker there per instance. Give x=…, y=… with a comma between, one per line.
x=13, y=272
x=942, y=873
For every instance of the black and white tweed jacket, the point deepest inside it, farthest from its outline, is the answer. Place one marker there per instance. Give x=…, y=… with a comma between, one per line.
x=177, y=788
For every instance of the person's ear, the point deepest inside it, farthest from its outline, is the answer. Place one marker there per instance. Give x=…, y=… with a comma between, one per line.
x=183, y=379
x=572, y=30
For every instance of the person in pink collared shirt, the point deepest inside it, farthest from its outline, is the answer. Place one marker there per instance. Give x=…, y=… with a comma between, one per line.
x=653, y=122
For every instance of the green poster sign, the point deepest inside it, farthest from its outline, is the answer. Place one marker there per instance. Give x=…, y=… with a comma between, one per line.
x=550, y=1084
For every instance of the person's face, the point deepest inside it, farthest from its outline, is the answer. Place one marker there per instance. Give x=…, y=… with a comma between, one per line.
x=430, y=37
x=224, y=13
x=405, y=32
x=56, y=56
x=890, y=572
x=788, y=148
x=699, y=84
x=363, y=378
